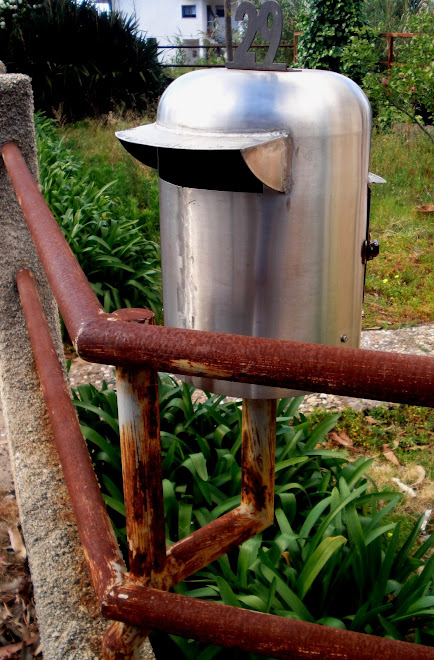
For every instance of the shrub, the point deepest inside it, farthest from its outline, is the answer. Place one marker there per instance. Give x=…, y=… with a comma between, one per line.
x=406, y=90
x=82, y=63
x=331, y=557
x=327, y=26
x=121, y=265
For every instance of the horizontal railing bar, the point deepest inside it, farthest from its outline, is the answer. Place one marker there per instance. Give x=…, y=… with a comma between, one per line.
x=100, y=546
x=382, y=376
x=71, y=289
x=223, y=46
x=254, y=632
x=401, y=35
x=192, y=66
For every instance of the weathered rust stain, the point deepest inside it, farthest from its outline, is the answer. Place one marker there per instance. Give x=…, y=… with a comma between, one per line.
x=310, y=367
x=258, y=455
x=133, y=315
x=253, y=632
x=141, y=467
x=122, y=642
x=203, y=546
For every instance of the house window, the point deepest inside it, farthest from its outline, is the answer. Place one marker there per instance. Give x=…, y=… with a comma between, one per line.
x=188, y=11
x=220, y=11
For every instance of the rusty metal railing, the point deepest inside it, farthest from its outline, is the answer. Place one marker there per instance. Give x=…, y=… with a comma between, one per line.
x=138, y=599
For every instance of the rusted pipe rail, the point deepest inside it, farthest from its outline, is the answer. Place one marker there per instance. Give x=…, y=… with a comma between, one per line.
x=72, y=291
x=265, y=634
x=96, y=533
x=126, y=599
x=312, y=367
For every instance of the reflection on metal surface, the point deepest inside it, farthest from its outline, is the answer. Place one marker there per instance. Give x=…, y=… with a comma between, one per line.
x=231, y=109
x=267, y=264
x=271, y=163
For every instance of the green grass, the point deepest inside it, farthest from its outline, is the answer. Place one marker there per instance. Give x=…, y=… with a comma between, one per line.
x=135, y=186
x=400, y=281
x=409, y=432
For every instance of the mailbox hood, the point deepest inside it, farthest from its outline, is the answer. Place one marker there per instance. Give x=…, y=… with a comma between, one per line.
x=258, y=113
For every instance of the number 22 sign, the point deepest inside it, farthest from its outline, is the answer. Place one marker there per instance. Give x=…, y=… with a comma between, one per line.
x=258, y=23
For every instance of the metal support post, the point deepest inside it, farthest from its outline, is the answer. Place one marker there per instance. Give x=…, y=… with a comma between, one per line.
x=228, y=31
x=139, y=427
x=258, y=457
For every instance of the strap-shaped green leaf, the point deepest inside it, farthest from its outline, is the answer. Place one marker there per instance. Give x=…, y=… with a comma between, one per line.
x=317, y=561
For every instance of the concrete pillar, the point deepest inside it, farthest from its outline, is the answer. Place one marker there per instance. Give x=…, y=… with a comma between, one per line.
x=69, y=621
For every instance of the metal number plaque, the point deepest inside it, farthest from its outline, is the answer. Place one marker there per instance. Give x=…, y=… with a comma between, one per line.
x=258, y=22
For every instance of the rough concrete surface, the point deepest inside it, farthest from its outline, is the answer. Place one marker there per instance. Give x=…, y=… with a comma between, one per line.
x=70, y=625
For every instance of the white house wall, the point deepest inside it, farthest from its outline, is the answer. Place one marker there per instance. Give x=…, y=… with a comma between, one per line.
x=162, y=19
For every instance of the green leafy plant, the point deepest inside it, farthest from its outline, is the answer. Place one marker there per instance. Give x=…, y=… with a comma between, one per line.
x=326, y=27
x=390, y=15
x=121, y=264
x=403, y=92
x=408, y=86
x=133, y=187
x=111, y=67
x=362, y=55
x=332, y=556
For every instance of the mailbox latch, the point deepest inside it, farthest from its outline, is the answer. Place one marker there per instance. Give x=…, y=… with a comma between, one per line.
x=370, y=250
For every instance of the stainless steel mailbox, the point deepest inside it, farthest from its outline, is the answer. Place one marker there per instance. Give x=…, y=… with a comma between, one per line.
x=263, y=205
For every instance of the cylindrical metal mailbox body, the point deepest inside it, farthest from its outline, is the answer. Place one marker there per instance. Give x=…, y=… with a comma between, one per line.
x=263, y=188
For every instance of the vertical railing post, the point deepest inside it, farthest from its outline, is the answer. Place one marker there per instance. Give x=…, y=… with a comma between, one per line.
x=258, y=456
x=295, y=44
x=390, y=52
x=228, y=31
x=139, y=422
x=139, y=428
